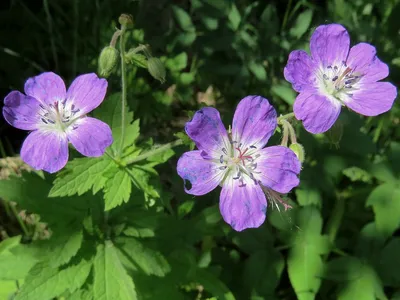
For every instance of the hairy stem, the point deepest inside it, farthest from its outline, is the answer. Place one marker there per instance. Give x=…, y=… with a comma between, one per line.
x=20, y=221
x=285, y=117
x=124, y=87
x=155, y=151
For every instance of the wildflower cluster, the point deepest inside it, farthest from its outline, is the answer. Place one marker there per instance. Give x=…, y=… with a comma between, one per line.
x=334, y=75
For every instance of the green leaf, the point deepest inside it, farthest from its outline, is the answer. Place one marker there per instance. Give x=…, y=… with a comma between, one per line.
x=213, y=284
x=177, y=63
x=110, y=278
x=110, y=112
x=386, y=205
x=117, y=190
x=258, y=70
x=45, y=282
x=151, y=262
x=359, y=280
x=31, y=192
x=61, y=247
x=183, y=19
x=303, y=22
x=263, y=270
x=16, y=262
x=8, y=289
x=357, y=174
x=309, y=196
x=285, y=92
x=80, y=175
x=9, y=243
x=234, y=17
x=304, y=262
x=210, y=23
x=389, y=263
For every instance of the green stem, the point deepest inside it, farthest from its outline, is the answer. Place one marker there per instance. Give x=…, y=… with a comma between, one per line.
x=21, y=223
x=336, y=218
x=155, y=151
x=285, y=18
x=285, y=117
x=123, y=84
x=75, y=42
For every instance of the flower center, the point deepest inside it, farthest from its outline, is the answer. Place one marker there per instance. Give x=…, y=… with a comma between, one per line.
x=241, y=161
x=338, y=79
x=58, y=115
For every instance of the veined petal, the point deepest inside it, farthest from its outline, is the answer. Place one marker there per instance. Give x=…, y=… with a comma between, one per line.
x=203, y=174
x=372, y=99
x=363, y=60
x=279, y=167
x=90, y=136
x=21, y=111
x=207, y=131
x=329, y=44
x=87, y=92
x=45, y=150
x=242, y=205
x=254, y=122
x=317, y=111
x=299, y=70
x=47, y=87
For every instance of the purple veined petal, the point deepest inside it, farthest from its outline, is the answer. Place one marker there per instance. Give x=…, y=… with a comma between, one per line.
x=90, y=136
x=372, y=99
x=47, y=88
x=21, y=111
x=207, y=131
x=242, y=205
x=329, y=44
x=300, y=70
x=362, y=59
x=254, y=122
x=45, y=150
x=317, y=111
x=278, y=167
x=203, y=174
x=87, y=92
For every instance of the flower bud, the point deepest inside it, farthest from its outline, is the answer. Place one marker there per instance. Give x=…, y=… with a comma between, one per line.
x=156, y=69
x=335, y=134
x=298, y=149
x=107, y=61
x=126, y=20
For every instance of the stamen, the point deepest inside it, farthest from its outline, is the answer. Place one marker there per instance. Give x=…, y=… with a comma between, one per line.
x=221, y=159
x=334, y=78
x=223, y=167
x=224, y=150
x=44, y=121
x=253, y=147
x=325, y=77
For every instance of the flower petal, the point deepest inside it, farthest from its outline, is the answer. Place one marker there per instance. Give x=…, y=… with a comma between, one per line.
x=87, y=92
x=203, y=174
x=299, y=70
x=317, y=112
x=47, y=87
x=254, y=121
x=279, y=167
x=372, y=98
x=21, y=111
x=362, y=59
x=242, y=205
x=45, y=150
x=90, y=136
x=207, y=131
x=330, y=44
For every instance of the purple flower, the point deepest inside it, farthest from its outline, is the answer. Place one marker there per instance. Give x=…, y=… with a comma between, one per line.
x=334, y=76
x=56, y=117
x=238, y=162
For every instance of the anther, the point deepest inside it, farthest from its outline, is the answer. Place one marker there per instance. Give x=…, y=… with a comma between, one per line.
x=335, y=78
x=221, y=159
x=223, y=167
x=224, y=150
x=253, y=147
x=44, y=121
x=325, y=77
